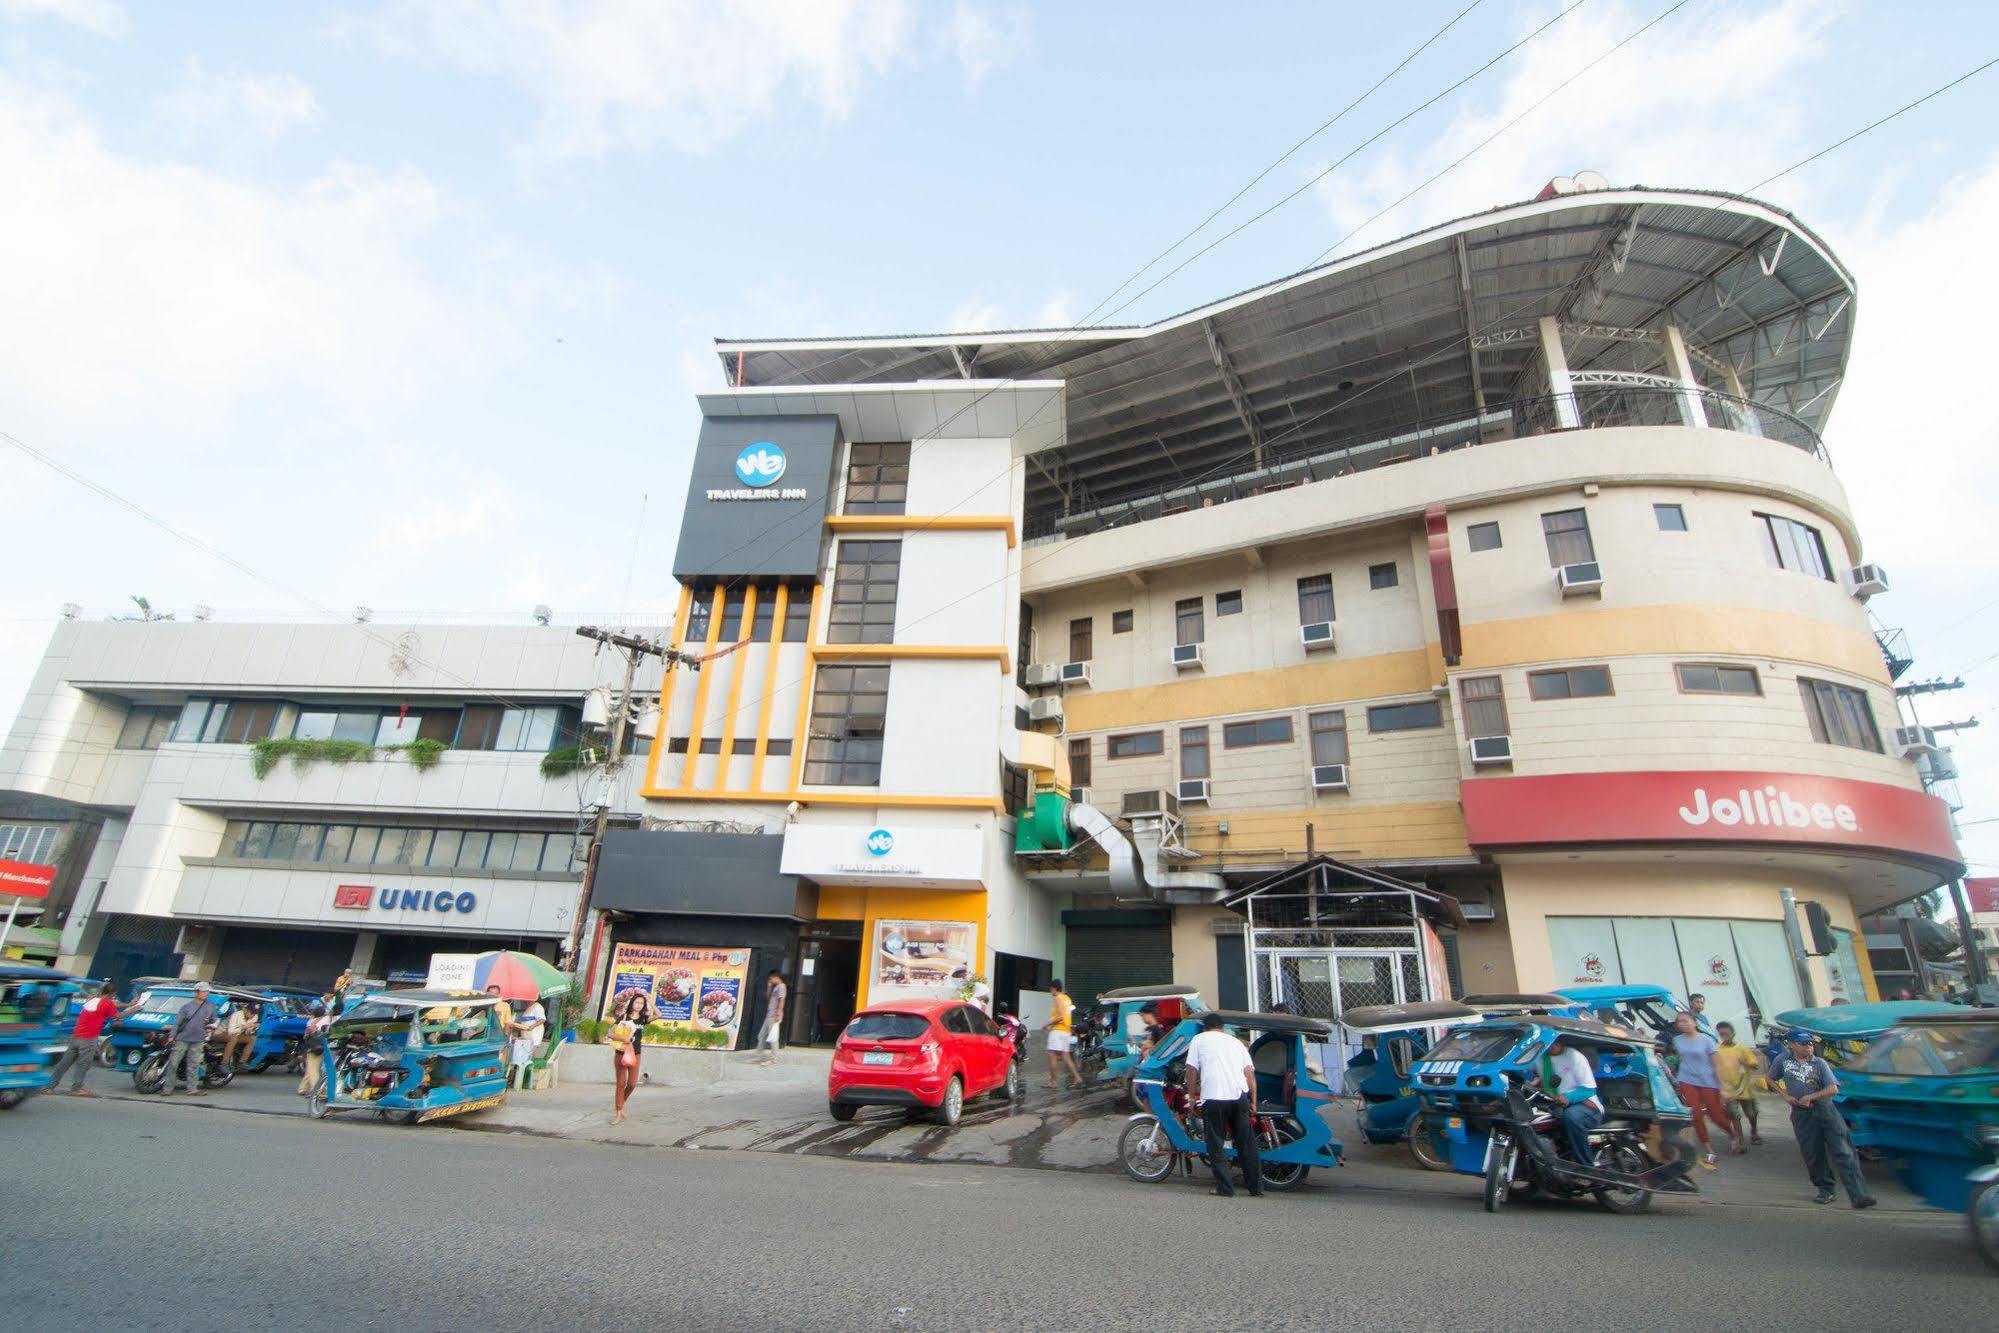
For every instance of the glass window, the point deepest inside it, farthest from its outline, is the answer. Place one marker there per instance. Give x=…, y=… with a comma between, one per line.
x=257, y=842
x=1671, y=518
x=507, y=736
x=877, y=479
x=1082, y=637
x=849, y=715
x=1256, y=731
x=1839, y=714
x=1079, y=761
x=711, y=745
x=798, y=613
x=700, y=612
x=556, y=852
x=445, y=846
x=233, y=834
x=1696, y=678
x=1485, y=705
x=1315, y=599
x=1193, y=752
x=864, y=585
x=284, y=843
x=397, y=729
x=538, y=728
x=1382, y=576
x=1482, y=536
x=437, y=724
x=403, y=846
x=1585, y=682
x=1134, y=744
x=1567, y=531
x=500, y=854
x=1329, y=737
x=1120, y=622
x=1228, y=603
x=366, y=844
x=339, y=843
x=1188, y=621
x=781, y=747
x=355, y=724
x=314, y=724
x=1405, y=717
x=1789, y=544
x=735, y=605
x=193, y=719
x=472, y=849
x=248, y=720
x=527, y=851
x=145, y=727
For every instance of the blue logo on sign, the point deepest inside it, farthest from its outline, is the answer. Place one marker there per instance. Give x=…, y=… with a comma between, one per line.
x=881, y=842
x=760, y=464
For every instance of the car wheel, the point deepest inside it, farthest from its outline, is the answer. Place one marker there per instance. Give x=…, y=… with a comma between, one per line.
x=1144, y=1151
x=397, y=1115
x=841, y=1111
x=11, y=1098
x=1625, y=1158
x=107, y=1055
x=1498, y=1173
x=1983, y=1215
x=1009, y=1088
x=953, y=1105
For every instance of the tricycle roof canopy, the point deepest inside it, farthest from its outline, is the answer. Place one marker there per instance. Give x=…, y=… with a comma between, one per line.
x=1245, y=1018
x=29, y=972
x=1395, y=1017
x=1511, y=1000
x=1168, y=991
x=1863, y=1020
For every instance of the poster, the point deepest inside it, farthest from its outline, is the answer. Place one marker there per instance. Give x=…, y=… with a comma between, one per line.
x=694, y=988
x=929, y=960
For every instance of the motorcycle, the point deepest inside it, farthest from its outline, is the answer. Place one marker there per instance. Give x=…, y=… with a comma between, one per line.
x=151, y=1074
x=1150, y=1153
x=1015, y=1032
x=1537, y=1168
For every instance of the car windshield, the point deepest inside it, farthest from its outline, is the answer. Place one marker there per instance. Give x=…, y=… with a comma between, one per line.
x=1480, y=1046
x=164, y=1002
x=887, y=1027
x=1941, y=1050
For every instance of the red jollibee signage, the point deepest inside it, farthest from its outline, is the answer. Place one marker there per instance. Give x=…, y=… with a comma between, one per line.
x=1728, y=806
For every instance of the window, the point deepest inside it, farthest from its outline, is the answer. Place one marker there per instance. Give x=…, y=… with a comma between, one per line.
x=711, y=745
x=1698, y=679
x=32, y=843
x=849, y=711
x=1485, y=705
x=1315, y=599
x=1796, y=546
x=1079, y=761
x=440, y=849
x=1193, y=752
x=798, y=613
x=248, y=721
x=700, y=609
x=1405, y=717
x=397, y=728
x=1671, y=518
x=1228, y=603
x=1567, y=531
x=1015, y=788
x=1482, y=536
x=1839, y=714
x=145, y=727
x=1382, y=576
x=339, y=843
x=765, y=615
x=1081, y=633
x=1120, y=622
x=533, y=729
x=779, y=748
x=478, y=727
x=742, y=745
x=735, y=602
x=877, y=478
x=864, y=583
x=445, y=846
x=1134, y=744
x=1586, y=682
x=1329, y=738
x=1188, y=624
x=193, y=719
x=1256, y=731
x=471, y=852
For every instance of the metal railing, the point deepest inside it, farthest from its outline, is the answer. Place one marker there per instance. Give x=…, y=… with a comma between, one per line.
x=1614, y=402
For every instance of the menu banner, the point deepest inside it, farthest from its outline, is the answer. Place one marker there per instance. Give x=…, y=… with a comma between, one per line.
x=700, y=989
x=929, y=960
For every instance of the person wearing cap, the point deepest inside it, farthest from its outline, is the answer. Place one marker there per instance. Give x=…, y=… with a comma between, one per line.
x=1221, y=1081
x=1807, y=1083
x=186, y=1038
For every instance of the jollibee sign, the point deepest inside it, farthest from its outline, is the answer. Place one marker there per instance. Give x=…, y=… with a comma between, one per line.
x=1728, y=806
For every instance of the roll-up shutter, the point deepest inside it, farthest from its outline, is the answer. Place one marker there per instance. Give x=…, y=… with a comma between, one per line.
x=1107, y=950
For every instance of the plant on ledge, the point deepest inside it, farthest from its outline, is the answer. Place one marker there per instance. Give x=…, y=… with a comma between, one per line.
x=304, y=753
x=570, y=759
x=422, y=753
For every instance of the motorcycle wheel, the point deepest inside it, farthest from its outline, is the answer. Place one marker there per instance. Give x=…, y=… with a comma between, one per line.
x=218, y=1075
x=107, y=1055
x=12, y=1097
x=1143, y=1159
x=315, y=1103
x=1422, y=1149
x=151, y=1075
x=396, y=1115
x=1498, y=1173
x=1624, y=1157
x=1283, y=1176
x=1983, y=1215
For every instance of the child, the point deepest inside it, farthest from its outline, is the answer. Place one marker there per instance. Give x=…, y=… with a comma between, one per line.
x=1737, y=1067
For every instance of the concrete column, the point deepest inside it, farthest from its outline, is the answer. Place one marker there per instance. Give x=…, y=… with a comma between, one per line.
x=1681, y=367
x=200, y=948
x=1567, y=417
x=363, y=957
x=1750, y=422
x=79, y=945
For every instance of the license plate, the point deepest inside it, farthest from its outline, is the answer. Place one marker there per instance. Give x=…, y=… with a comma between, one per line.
x=877, y=1058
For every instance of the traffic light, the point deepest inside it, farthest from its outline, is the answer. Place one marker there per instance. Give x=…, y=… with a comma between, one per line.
x=1818, y=927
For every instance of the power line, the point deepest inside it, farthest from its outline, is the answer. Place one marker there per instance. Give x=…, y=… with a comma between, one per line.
x=1870, y=128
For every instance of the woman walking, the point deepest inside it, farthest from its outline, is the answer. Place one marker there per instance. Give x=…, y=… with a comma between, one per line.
x=1700, y=1085
x=627, y=1038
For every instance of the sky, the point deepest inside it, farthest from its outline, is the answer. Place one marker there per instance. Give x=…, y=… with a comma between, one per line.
x=403, y=305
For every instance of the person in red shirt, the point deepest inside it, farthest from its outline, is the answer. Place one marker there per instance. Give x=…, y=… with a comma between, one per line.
x=87, y=1037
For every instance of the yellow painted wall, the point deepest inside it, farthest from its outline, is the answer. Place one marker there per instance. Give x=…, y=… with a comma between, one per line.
x=1248, y=692
x=869, y=905
x=1194, y=949
x=1376, y=832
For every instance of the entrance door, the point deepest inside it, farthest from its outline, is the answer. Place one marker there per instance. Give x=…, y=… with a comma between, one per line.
x=1322, y=983
x=828, y=981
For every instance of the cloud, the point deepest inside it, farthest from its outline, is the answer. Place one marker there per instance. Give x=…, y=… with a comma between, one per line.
x=265, y=107
x=99, y=16
x=986, y=39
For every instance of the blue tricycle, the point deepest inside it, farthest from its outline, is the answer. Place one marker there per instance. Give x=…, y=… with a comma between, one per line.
x=1116, y=1042
x=1843, y=1032
x=36, y=1006
x=281, y=1024
x=412, y=1055
x=1292, y=1098
x=1645, y=1008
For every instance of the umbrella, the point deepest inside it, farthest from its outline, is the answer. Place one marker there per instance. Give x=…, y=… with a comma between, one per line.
x=520, y=976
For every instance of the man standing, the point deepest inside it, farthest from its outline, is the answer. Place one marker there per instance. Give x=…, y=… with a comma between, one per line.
x=1697, y=1006
x=1061, y=1037
x=527, y=1032
x=1571, y=1081
x=774, y=993
x=186, y=1038
x=503, y=1014
x=318, y=1015
x=1807, y=1084
x=1221, y=1080
x=86, y=1039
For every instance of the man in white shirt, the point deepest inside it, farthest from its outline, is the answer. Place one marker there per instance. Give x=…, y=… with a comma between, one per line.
x=1221, y=1080
x=1571, y=1081
x=528, y=1024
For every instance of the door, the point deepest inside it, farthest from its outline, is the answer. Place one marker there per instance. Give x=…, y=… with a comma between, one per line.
x=1107, y=955
x=993, y=1053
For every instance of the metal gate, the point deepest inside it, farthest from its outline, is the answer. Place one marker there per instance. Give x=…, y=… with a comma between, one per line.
x=1102, y=957
x=1325, y=983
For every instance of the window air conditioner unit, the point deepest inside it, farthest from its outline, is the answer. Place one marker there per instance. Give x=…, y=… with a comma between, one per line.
x=1913, y=742
x=1075, y=673
x=1476, y=911
x=1044, y=710
x=1318, y=634
x=1329, y=777
x=1194, y=789
x=1186, y=656
x=1079, y=795
x=1043, y=673
x=1148, y=804
x=1583, y=577
x=1867, y=580
x=1491, y=750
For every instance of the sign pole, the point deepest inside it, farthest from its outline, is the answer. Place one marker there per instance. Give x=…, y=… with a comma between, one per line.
x=1796, y=940
x=7, y=928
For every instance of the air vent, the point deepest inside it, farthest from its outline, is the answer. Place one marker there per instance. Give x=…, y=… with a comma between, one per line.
x=1491, y=750
x=1043, y=673
x=1047, y=709
x=1913, y=742
x=1075, y=673
x=1868, y=581
x=1329, y=777
x=1187, y=656
x=1317, y=635
x=1581, y=578
x=1079, y=795
x=1193, y=790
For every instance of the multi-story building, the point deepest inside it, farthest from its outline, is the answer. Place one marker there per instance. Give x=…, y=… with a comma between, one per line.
x=277, y=802
x=1504, y=559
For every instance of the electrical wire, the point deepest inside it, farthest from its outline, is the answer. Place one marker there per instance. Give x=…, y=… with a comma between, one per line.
x=1937, y=91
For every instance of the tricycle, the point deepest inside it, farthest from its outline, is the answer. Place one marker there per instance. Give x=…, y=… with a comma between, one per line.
x=1293, y=1133
x=281, y=1024
x=36, y=1014
x=1843, y=1031
x=1643, y=1008
x=1926, y=1096
x=1115, y=1031
x=411, y=1056
x=1490, y=1109
x=153, y=1022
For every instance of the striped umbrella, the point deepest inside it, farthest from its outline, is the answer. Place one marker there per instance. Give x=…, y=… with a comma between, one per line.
x=520, y=976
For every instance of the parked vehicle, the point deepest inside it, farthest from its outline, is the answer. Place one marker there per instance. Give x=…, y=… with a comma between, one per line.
x=1925, y=1095
x=1642, y=1008
x=150, y=1075
x=37, y=1010
x=1292, y=1097
x=1843, y=1032
x=281, y=1026
x=160, y=999
x=411, y=1056
x=932, y=1055
x=1015, y=1033
x=1116, y=1032
x=1487, y=1117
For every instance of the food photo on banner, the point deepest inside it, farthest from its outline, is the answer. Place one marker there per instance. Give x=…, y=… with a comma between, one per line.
x=927, y=959
x=697, y=989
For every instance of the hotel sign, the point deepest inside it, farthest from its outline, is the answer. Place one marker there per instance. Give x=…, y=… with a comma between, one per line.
x=919, y=856
x=784, y=464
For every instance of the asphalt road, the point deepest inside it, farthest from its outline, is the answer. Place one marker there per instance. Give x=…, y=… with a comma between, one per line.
x=149, y=1215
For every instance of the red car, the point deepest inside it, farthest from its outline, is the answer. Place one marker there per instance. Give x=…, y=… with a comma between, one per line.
x=935, y=1054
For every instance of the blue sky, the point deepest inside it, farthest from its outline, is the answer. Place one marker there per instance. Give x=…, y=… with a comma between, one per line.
x=403, y=305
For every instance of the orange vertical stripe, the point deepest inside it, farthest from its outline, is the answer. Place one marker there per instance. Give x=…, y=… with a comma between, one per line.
x=694, y=724
x=777, y=616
